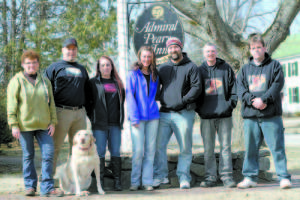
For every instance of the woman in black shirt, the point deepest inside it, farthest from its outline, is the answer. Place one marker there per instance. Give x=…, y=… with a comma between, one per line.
x=107, y=115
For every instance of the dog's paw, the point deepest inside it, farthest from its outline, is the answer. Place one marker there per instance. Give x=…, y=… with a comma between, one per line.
x=85, y=193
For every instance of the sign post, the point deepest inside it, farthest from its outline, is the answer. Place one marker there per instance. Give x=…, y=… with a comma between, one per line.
x=123, y=65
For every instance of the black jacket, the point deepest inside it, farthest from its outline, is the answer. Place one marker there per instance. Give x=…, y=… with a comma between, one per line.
x=219, y=96
x=180, y=85
x=97, y=110
x=265, y=81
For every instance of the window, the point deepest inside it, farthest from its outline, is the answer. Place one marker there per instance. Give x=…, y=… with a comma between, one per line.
x=294, y=95
x=293, y=69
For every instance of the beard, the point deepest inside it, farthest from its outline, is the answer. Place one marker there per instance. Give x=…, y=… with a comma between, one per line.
x=175, y=56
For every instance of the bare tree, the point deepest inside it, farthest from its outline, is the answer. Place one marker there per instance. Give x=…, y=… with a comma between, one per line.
x=203, y=20
x=5, y=34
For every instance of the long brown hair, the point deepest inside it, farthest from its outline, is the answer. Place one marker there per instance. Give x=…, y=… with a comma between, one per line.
x=152, y=67
x=114, y=74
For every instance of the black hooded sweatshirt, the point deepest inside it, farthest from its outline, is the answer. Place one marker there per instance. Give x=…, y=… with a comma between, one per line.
x=180, y=85
x=264, y=81
x=219, y=96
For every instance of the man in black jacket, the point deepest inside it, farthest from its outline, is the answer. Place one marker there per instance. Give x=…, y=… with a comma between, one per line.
x=180, y=86
x=70, y=89
x=259, y=85
x=215, y=107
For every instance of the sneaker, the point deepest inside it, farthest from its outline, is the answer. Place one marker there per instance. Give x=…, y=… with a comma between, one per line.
x=246, y=183
x=165, y=181
x=134, y=188
x=148, y=187
x=157, y=182
x=208, y=183
x=30, y=192
x=53, y=193
x=285, y=184
x=229, y=183
x=185, y=185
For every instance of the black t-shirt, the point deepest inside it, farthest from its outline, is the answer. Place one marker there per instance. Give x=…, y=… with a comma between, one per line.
x=112, y=101
x=147, y=77
x=69, y=83
x=30, y=77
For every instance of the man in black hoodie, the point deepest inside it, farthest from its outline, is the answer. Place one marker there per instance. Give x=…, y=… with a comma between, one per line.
x=215, y=106
x=180, y=86
x=259, y=85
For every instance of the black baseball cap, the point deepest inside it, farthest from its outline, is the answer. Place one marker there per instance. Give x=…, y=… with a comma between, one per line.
x=70, y=41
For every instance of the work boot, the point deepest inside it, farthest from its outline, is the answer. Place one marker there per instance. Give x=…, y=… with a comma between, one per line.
x=102, y=171
x=117, y=170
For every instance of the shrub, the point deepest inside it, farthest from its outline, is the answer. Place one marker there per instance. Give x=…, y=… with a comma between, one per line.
x=5, y=134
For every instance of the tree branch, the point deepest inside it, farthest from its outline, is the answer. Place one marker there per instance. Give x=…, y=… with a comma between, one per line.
x=190, y=9
x=245, y=22
x=235, y=13
x=280, y=27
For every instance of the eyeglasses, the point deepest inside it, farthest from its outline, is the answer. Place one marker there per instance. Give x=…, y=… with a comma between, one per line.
x=33, y=63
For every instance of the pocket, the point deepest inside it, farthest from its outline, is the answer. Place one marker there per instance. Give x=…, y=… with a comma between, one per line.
x=94, y=116
x=229, y=105
x=191, y=106
x=59, y=110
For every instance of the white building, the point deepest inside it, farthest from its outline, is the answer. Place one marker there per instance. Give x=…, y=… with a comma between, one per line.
x=288, y=54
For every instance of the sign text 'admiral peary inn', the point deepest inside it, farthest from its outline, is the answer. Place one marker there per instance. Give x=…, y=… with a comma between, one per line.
x=153, y=28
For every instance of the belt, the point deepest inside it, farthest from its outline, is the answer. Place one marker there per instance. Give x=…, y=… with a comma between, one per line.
x=70, y=107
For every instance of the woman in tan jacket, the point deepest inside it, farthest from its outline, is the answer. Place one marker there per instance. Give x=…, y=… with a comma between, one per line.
x=31, y=113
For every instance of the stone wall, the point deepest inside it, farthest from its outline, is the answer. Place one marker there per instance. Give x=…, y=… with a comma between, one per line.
x=197, y=169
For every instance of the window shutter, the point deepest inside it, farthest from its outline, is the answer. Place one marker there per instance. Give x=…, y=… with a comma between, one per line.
x=296, y=68
x=283, y=69
x=289, y=69
x=297, y=94
x=290, y=95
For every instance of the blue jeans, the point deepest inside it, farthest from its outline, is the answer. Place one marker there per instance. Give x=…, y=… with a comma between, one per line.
x=270, y=129
x=112, y=136
x=143, y=151
x=181, y=123
x=223, y=127
x=45, y=142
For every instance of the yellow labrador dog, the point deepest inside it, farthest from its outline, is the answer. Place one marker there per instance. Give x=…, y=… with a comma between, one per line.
x=75, y=175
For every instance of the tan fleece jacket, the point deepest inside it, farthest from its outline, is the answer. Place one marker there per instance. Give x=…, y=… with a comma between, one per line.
x=27, y=104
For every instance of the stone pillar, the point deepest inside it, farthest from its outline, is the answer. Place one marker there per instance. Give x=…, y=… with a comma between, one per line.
x=123, y=65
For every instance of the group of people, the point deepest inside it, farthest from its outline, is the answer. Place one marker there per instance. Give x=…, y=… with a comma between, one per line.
x=64, y=100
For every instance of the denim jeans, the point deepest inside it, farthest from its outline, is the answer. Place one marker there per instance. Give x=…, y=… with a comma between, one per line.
x=181, y=123
x=45, y=142
x=270, y=129
x=223, y=127
x=112, y=136
x=143, y=151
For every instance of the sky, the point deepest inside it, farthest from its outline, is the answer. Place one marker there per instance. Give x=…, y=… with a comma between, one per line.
x=269, y=5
